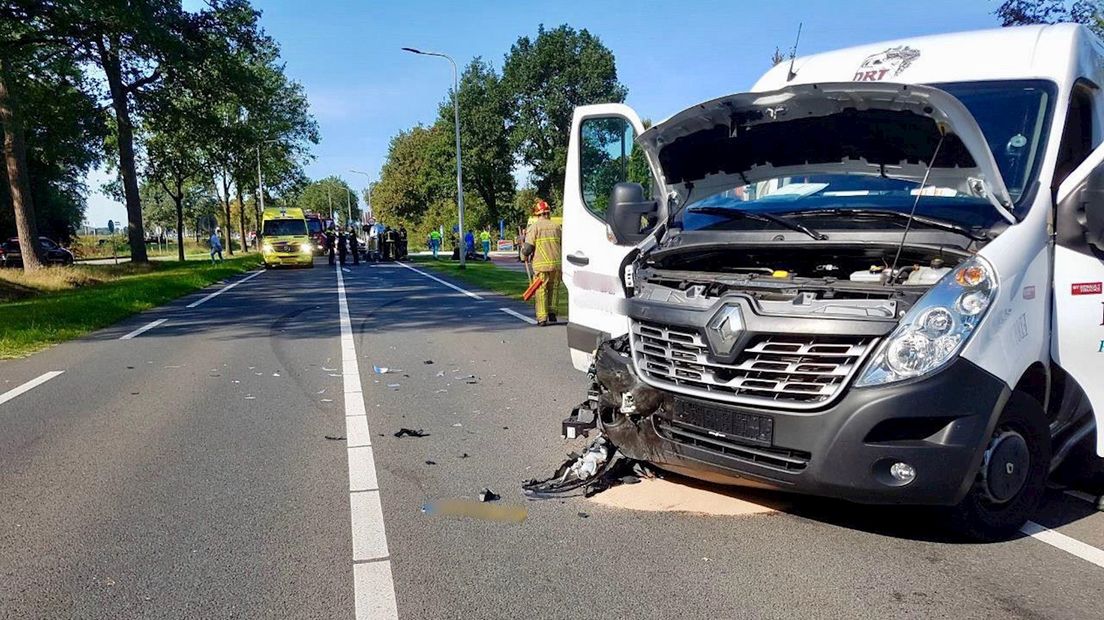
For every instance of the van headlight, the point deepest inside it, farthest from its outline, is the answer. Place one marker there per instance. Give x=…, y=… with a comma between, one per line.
x=306, y=248
x=267, y=247
x=934, y=331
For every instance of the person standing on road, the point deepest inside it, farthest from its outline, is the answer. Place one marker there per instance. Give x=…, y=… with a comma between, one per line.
x=331, y=240
x=342, y=246
x=401, y=254
x=216, y=245
x=485, y=241
x=354, y=245
x=547, y=240
x=435, y=242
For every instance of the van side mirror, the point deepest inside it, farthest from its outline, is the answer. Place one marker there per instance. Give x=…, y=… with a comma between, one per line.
x=630, y=215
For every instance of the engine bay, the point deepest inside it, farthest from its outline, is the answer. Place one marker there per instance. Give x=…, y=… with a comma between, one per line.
x=846, y=280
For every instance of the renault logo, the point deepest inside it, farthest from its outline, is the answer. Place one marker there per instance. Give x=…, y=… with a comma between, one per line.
x=724, y=330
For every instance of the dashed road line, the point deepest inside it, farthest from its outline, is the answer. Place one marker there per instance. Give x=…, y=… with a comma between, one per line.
x=373, y=584
x=1059, y=540
x=28, y=386
x=224, y=289
x=519, y=315
x=143, y=329
x=439, y=280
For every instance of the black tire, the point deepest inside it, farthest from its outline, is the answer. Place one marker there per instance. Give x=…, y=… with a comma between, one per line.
x=980, y=516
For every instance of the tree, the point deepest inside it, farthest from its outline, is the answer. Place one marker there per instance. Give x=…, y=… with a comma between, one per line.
x=53, y=132
x=415, y=175
x=487, y=158
x=544, y=80
x=777, y=57
x=1023, y=12
x=331, y=195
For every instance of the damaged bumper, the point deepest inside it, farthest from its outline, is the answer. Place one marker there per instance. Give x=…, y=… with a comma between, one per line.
x=936, y=425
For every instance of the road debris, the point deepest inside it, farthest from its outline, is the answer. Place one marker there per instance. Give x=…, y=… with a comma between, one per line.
x=335, y=437
x=383, y=370
x=477, y=510
x=327, y=400
x=428, y=462
x=275, y=374
x=597, y=469
x=394, y=386
x=407, y=432
x=487, y=495
x=441, y=373
x=427, y=362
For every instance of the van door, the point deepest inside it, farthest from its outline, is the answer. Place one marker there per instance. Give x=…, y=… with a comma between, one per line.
x=600, y=155
x=1078, y=318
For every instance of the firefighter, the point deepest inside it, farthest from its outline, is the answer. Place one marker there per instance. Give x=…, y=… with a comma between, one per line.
x=546, y=238
x=342, y=246
x=354, y=245
x=331, y=239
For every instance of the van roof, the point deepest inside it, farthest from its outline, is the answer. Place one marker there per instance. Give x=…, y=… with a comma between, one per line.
x=1059, y=52
x=283, y=213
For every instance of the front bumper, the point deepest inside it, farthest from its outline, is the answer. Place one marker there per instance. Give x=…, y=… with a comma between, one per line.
x=296, y=258
x=939, y=425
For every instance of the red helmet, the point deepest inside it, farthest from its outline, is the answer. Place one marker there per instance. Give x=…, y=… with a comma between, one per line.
x=541, y=208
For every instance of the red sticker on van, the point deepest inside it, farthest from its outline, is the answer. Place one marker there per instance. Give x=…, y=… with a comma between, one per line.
x=1088, y=288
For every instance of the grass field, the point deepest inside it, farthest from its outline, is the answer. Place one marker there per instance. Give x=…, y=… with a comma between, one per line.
x=61, y=303
x=492, y=278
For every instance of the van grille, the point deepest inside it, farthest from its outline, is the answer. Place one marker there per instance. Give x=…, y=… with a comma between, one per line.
x=794, y=371
x=285, y=247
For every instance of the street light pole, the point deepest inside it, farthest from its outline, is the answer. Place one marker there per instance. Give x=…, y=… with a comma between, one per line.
x=368, y=197
x=348, y=206
x=459, y=168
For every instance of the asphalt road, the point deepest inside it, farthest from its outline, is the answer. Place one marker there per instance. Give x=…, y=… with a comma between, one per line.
x=186, y=471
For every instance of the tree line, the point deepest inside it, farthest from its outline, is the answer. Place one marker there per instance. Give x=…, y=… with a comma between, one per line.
x=518, y=117
x=187, y=108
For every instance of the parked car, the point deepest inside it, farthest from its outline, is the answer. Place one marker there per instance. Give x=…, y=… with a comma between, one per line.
x=54, y=254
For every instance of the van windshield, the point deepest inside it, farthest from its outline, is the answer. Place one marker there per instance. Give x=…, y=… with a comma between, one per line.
x=1013, y=116
x=284, y=228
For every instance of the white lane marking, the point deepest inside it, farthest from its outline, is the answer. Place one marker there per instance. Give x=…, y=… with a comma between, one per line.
x=143, y=329
x=448, y=284
x=1072, y=546
x=225, y=288
x=346, y=270
x=373, y=585
x=1092, y=499
x=362, y=470
x=372, y=577
x=519, y=315
x=28, y=386
x=369, y=539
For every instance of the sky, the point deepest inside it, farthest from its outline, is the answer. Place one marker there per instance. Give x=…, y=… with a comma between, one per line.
x=363, y=89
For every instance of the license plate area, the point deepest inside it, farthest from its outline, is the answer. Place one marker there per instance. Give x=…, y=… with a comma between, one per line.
x=724, y=423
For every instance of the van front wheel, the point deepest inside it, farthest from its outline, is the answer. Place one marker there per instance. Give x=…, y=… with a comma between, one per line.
x=1012, y=478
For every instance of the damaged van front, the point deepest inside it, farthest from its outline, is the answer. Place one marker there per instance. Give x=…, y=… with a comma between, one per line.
x=808, y=293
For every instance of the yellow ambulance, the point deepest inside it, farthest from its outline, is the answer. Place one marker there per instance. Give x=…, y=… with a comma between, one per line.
x=285, y=239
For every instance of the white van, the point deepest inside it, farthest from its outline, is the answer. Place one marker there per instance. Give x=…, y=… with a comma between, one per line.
x=877, y=276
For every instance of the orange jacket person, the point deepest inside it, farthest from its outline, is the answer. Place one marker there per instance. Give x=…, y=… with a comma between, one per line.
x=546, y=237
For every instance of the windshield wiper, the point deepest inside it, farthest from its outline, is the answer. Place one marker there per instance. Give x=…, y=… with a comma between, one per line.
x=735, y=214
x=930, y=222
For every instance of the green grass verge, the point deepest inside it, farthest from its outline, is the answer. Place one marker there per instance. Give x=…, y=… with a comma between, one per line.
x=107, y=295
x=487, y=276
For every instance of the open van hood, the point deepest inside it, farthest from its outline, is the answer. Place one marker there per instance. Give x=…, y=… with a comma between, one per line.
x=831, y=128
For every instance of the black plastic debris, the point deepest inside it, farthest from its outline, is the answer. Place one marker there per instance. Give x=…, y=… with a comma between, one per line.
x=431, y=462
x=428, y=362
x=583, y=515
x=464, y=455
x=408, y=432
x=598, y=468
x=487, y=495
x=335, y=437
